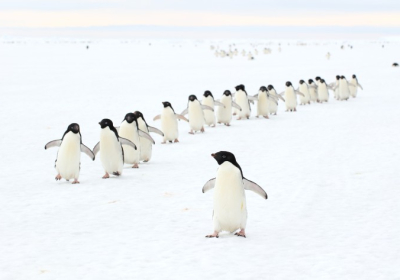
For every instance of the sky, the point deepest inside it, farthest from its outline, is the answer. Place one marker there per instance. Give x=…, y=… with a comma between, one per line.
x=384, y=14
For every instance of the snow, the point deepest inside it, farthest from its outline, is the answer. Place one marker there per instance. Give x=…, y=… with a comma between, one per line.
x=330, y=170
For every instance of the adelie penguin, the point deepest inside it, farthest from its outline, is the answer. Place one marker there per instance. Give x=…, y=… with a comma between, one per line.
x=312, y=89
x=129, y=129
x=290, y=97
x=264, y=99
x=169, y=123
x=110, y=147
x=224, y=114
x=195, y=113
x=243, y=100
x=303, y=88
x=230, y=211
x=208, y=100
x=353, y=89
x=323, y=91
x=145, y=145
x=344, y=91
x=69, y=154
x=273, y=107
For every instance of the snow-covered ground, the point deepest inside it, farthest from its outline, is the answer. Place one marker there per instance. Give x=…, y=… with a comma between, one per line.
x=331, y=170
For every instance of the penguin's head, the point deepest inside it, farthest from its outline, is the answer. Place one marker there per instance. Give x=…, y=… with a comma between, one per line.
x=106, y=123
x=354, y=76
x=130, y=118
x=337, y=77
x=208, y=93
x=192, y=97
x=317, y=78
x=310, y=81
x=239, y=87
x=270, y=87
x=74, y=128
x=138, y=115
x=322, y=81
x=223, y=156
x=288, y=84
x=166, y=104
x=263, y=88
x=227, y=93
x=342, y=77
x=301, y=82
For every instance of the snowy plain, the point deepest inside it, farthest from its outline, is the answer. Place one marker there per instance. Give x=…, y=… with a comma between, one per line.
x=331, y=170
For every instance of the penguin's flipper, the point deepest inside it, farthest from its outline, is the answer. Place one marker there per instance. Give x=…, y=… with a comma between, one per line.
x=155, y=130
x=314, y=86
x=281, y=94
x=54, y=143
x=351, y=85
x=127, y=142
x=360, y=86
x=96, y=148
x=235, y=105
x=184, y=112
x=146, y=135
x=205, y=107
x=87, y=151
x=299, y=93
x=209, y=185
x=281, y=97
x=218, y=103
x=252, y=98
x=157, y=117
x=256, y=96
x=182, y=118
x=251, y=186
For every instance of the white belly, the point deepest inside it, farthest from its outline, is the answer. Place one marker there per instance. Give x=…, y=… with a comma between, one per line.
x=230, y=212
x=353, y=90
x=110, y=152
x=209, y=116
x=129, y=131
x=262, y=104
x=290, y=99
x=273, y=107
x=196, y=116
x=224, y=114
x=69, y=156
x=243, y=102
x=313, y=94
x=169, y=125
x=323, y=94
x=343, y=90
x=145, y=145
x=304, y=90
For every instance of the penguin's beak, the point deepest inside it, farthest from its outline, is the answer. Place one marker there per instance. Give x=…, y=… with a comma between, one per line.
x=213, y=155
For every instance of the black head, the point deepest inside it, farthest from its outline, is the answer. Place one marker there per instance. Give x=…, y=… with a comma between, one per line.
x=227, y=93
x=192, y=97
x=301, y=82
x=130, y=118
x=317, y=78
x=322, y=81
x=270, y=87
x=310, y=81
x=106, y=123
x=263, y=88
x=342, y=77
x=74, y=127
x=138, y=115
x=354, y=76
x=337, y=77
x=208, y=93
x=239, y=87
x=166, y=104
x=288, y=84
x=223, y=156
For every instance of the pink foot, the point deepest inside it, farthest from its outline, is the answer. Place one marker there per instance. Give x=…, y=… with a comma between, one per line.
x=135, y=166
x=241, y=233
x=75, y=181
x=215, y=234
x=163, y=142
x=191, y=132
x=266, y=117
x=106, y=176
x=58, y=177
x=202, y=129
x=176, y=140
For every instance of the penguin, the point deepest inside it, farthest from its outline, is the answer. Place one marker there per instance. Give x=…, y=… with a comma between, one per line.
x=242, y=99
x=264, y=100
x=129, y=129
x=169, y=123
x=145, y=145
x=290, y=97
x=112, y=152
x=335, y=86
x=395, y=64
x=344, y=92
x=303, y=88
x=273, y=106
x=312, y=89
x=208, y=100
x=196, y=114
x=354, y=87
x=224, y=114
x=69, y=154
x=230, y=211
x=323, y=93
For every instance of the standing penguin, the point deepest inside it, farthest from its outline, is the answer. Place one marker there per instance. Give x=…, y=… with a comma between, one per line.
x=335, y=86
x=68, y=159
x=242, y=99
x=224, y=114
x=290, y=97
x=354, y=87
x=129, y=129
x=196, y=115
x=230, y=212
x=264, y=100
x=323, y=93
x=169, y=123
x=273, y=106
x=312, y=89
x=209, y=101
x=303, y=88
x=145, y=145
x=344, y=91
x=110, y=145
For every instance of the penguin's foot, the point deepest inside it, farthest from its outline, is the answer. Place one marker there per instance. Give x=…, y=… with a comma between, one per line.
x=116, y=173
x=134, y=166
x=295, y=110
x=234, y=114
x=75, y=181
x=106, y=176
x=239, y=119
x=191, y=132
x=219, y=122
x=163, y=142
x=215, y=234
x=146, y=160
x=176, y=140
x=202, y=129
x=170, y=141
x=228, y=124
x=241, y=233
x=266, y=117
x=247, y=117
x=58, y=177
